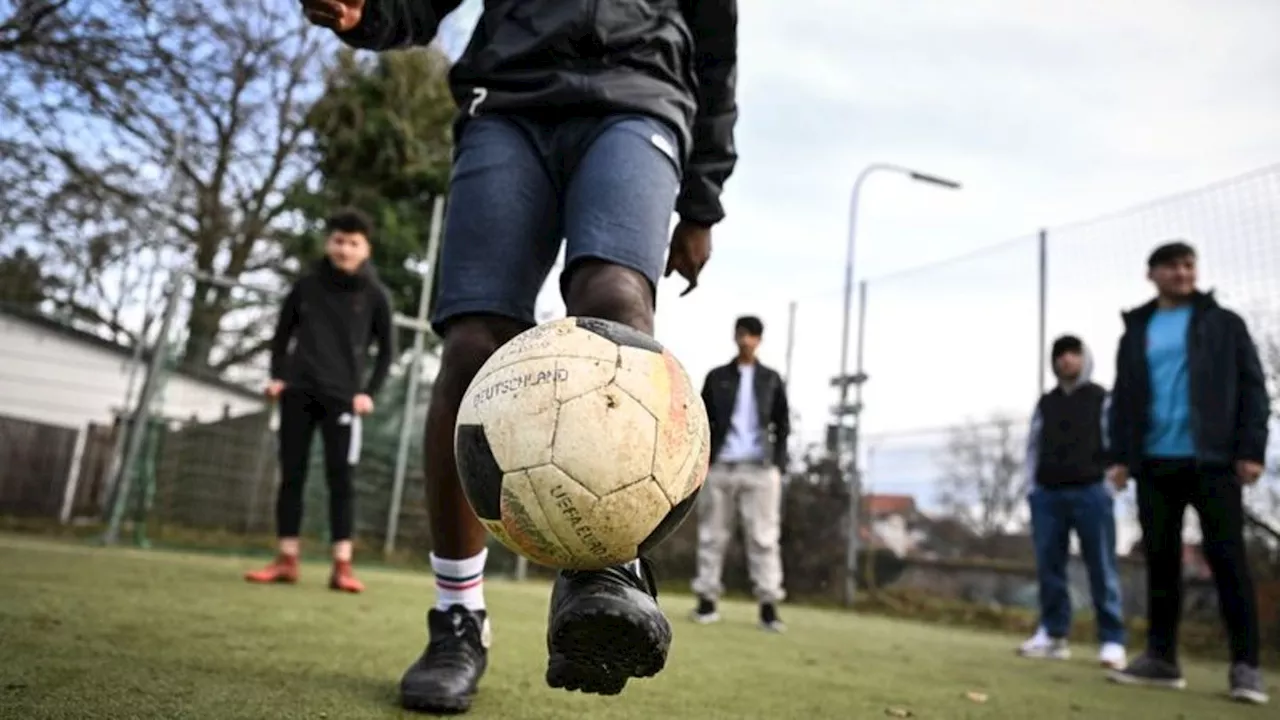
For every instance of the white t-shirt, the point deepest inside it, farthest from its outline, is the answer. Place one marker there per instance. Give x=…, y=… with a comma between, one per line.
x=744, y=442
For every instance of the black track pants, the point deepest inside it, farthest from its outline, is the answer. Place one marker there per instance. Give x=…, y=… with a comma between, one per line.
x=300, y=413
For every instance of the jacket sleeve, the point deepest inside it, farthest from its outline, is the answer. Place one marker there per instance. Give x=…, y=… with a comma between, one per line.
x=1254, y=405
x=781, y=425
x=286, y=323
x=392, y=24
x=706, y=401
x=1032, y=460
x=384, y=337
x=712, y=157
x=1118, y=411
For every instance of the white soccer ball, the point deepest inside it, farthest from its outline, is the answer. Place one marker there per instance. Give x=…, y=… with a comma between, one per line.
x=582, y=444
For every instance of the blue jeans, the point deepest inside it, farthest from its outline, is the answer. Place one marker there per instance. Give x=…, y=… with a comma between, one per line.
x=1090, y=511
x=605, y=187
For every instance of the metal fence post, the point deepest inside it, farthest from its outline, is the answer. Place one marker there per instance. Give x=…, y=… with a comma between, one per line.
x=415, y=373
x=142, y=416
x=855, y=472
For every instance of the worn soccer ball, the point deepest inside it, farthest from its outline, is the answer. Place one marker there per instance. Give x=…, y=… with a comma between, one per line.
x=582, y=444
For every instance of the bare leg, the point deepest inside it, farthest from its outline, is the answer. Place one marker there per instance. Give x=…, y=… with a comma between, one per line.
x=455, y=532
x=611, y=292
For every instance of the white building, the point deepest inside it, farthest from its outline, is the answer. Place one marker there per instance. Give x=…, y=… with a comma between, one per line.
x=56, y=375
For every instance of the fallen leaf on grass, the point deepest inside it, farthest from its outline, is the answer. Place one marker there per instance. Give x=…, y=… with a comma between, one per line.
x=976, y=696
x=897, y=712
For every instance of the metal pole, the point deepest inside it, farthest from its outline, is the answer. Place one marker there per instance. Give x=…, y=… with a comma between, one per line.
x=862, y=334
x=135, y=362
x=142, y=415
x=415, y=372
x=135, y=359
x=1044, y=306
x=843, y=381
x=855, y=474
x=791, y=341
x=73, y=476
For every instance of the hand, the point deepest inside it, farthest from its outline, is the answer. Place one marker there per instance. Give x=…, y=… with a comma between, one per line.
x=274, y=388
x=337, y=15
x=1118, y=476
x=1248, y=471
x=362, y=404
x=690, y=250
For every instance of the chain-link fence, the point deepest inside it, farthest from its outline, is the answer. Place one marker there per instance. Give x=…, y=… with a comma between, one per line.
x=954, y=351
x=158, y=426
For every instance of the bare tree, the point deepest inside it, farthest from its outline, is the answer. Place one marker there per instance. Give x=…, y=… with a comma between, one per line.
x=982, y=483
x=180, y=152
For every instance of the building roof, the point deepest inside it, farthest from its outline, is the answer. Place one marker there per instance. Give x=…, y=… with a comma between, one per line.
x=58, y=327
x=881, y=505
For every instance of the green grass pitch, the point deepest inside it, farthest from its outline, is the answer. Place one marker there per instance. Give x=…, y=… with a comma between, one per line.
x=95, y=633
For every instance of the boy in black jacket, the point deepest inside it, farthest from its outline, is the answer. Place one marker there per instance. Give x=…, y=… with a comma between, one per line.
x=330, y=317
x=1189, y=420
x=582, y=124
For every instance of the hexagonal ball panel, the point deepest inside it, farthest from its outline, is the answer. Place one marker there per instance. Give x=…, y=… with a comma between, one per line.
x=517, y=407
x=604, y=440
x=625, y=518
x=662, y=385
x=568, y=507
x=578, y=376
x=525, y=528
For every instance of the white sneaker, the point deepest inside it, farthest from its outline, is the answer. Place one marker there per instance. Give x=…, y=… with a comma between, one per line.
x=1112, y=656
x=1042, y=646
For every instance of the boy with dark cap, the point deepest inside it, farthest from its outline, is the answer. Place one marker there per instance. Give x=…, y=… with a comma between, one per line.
x=1066, y=464
x=1189, y=420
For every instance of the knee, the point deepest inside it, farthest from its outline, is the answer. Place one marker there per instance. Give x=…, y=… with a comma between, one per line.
x=340, y=488
x=762, y=542
x=611, y=292
x=468, y=343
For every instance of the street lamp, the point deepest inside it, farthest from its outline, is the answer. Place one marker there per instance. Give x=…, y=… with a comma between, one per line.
x=843, y=381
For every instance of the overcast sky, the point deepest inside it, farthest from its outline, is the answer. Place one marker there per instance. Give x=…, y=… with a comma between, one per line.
x=1049, y=113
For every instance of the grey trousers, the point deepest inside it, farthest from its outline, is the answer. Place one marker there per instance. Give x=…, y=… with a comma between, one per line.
x=751, y=493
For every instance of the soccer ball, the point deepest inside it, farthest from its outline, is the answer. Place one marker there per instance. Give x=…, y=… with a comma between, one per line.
x=582, y=444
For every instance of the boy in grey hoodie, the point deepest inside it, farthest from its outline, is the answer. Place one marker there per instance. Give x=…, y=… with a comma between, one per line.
x=1066, y=464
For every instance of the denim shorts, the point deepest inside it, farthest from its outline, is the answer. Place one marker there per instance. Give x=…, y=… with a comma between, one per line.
x=605, y=186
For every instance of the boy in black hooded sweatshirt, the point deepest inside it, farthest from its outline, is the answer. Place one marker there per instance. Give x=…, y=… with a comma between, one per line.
x=330, y=318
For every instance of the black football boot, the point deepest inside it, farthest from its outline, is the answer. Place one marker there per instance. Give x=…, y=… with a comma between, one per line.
x=444, y=679
x=605, y=628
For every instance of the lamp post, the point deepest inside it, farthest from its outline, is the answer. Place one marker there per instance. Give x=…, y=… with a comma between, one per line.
x=843, y=409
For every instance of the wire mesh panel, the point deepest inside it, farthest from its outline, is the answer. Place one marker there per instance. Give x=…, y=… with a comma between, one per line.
x=953, y=341
x=1098, y=268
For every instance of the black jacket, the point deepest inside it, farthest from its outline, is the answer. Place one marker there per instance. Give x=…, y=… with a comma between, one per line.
x=332, y=319
x=675, y=60
x=1229, y=404
x=720, y=393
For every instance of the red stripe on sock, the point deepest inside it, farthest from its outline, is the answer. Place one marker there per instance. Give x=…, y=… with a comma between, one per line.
x=459, y=586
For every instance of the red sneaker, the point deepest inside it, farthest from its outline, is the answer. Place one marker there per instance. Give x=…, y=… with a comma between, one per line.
x=343, y=579
x=284, y=569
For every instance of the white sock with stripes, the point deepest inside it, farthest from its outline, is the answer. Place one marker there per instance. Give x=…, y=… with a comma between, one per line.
x=460, y=582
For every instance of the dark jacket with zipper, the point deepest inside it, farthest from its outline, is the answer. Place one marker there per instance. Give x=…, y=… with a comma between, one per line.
x=720, y=394
x=675, y=60
x=1230, y=409
x=331, y=318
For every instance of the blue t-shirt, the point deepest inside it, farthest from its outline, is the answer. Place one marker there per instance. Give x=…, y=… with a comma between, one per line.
x=1169, y=417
